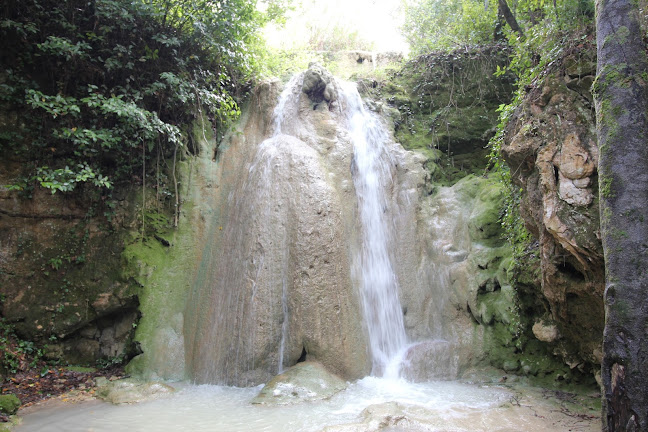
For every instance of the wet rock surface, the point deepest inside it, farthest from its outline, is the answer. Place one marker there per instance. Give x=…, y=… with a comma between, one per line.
x=320, y=85
x=304, y=382
x=129, y=390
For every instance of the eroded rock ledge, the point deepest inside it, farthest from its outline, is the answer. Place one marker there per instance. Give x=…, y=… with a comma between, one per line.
x=552, y=151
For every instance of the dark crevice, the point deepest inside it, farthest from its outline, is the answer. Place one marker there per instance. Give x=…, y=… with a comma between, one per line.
x=472, y=317
x=497, y=286
x=570, y=271
x=302, y=357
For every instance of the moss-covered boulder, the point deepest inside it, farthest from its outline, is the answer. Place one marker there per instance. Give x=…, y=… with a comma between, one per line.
x=9, y=404
x=305, y=382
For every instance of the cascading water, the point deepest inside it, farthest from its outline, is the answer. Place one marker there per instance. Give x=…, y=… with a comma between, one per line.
x=288, y=94
x=302, y=224
x=379, y=286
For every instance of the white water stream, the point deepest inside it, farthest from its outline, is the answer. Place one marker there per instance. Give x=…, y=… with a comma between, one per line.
x=379, y=290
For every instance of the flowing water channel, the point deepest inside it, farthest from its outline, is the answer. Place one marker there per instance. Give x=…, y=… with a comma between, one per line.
x=382, y=401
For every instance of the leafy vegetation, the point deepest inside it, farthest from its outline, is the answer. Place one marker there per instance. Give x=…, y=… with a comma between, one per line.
x=446, y=25
x=432, y=25
x=18, y=354
x=94, y=91
x=547, y=31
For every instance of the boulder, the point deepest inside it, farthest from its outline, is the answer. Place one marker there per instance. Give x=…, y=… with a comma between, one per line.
x=319, y=85
x=304, y=382
x=128, y=390
x=9, y=404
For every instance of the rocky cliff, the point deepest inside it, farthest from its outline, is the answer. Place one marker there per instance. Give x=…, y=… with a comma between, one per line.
x=552, y=152
x=265, y=224
x=60, y=272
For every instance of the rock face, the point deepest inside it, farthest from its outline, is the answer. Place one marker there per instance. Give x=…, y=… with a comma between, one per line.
x=319, y=85
x=459, y=298
x=277, y=276
x=60, y=273
x=275, y=281
x=552, y=151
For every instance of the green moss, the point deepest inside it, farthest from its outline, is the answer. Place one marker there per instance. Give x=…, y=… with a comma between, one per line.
x=81, y=369
x=9, y=404
x=163, y=264
x=439, y=112
x=605, y=187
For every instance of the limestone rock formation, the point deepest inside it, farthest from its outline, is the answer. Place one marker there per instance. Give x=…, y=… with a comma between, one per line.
x=552, y=151
x=320, y=85
x=276, y=278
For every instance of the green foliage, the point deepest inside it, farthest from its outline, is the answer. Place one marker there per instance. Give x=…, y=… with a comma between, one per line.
x=545, y=43
x=448, y=24
x=17, y=354
x=109, y=362
x=337, y=37
x=66, y=179
x=104, y=88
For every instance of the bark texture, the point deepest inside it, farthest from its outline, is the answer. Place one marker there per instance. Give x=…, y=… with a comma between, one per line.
x=505, y=11
x=621, y=96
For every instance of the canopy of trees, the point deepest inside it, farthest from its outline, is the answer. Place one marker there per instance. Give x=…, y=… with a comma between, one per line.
x=93, y=88
x=449, y=24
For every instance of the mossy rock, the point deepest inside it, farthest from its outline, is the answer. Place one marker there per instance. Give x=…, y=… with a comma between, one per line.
x=306, y=381
x=9, y=404
x=129, y=390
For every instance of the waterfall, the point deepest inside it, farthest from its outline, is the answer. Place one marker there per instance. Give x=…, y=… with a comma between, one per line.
x=297, y=262
x=379, y=287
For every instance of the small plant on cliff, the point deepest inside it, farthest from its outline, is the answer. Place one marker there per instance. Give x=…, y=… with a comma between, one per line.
x=18, y=354
x=547, y=37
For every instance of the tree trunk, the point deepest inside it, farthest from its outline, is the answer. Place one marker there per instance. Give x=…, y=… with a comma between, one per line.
x=621, y=97
x=505, y=11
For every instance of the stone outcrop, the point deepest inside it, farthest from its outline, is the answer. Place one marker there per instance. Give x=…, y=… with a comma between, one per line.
x=60, y=274
x=276, y=278
x=319, y=85
x=552, y=152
